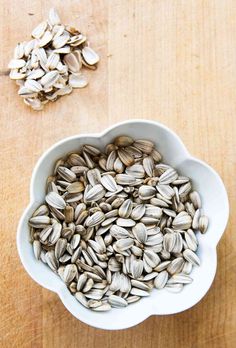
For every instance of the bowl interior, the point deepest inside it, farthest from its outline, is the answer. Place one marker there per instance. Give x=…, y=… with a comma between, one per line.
x=215, y=205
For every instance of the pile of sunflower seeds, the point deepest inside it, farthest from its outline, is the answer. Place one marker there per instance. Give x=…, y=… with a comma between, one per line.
x=49, y=65
x=117, y=223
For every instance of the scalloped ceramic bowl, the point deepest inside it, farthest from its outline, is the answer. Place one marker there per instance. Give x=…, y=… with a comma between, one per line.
x=160, y=302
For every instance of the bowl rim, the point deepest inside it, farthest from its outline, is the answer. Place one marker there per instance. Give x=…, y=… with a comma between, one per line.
x=185, y=156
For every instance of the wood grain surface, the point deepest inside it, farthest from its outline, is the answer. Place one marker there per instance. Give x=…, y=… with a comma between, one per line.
x=168, y=60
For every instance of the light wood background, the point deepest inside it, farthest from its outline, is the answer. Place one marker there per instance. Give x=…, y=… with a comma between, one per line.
x=168, y=60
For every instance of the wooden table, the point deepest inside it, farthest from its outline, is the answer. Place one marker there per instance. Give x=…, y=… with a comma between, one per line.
x=168, y=60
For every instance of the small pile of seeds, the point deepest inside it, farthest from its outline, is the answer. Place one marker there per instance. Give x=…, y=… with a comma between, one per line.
x=117, y=223
x=49, y=66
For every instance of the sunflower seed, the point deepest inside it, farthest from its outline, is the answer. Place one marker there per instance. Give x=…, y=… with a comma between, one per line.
x=44, y=234
x=88, y=160
x=16, y=64
x=69, y=214
x=37, y=249
x=123, y=141
x=196, y=217
x=182, y=221
x=15, y=75
x=33, y=86
x=69, y=273
x=162, y=266
x=149, y=276
x=125, y=209
x=148, y=165
x=137, y=269
x=119, y=232
x=125, y=179
x=203, y=223
x=195, y=199
x=158, y=202
x=146, y=192
x=139, y=292
x=112, y=213
x=95, y=219
x=95, y=294
x=154, y=212
x=118, y=166
x=95, y=193
x=190, y=209
x=66, y=174
x=153, y=240
x=175, y=288
x=51, y=260
x=132, y=299
x=25, y=92
x=75, y=241
x=145, y=146
x=138, y=212
x=60, y=41
x=96, y=246
x=176, y=265
x=75, y=187
x=190, y=256
x=41, y=210
x=82, y=299
x=161, y=280
x=45, y=39
x=168, y=176
x=65, y=258
x=184, y=190
x=180, y=278
x=19, y=51
x=136, y=170
x=109, y=183
x=140, y=285
x=165, y=190
x=169, y=240
x=55, y=200
x=39, y=221
x=125, y=157
x=54, y=17
x=187, y=269
x=60, y=247
x=81, y=281
x=75, y=159
x=117, y=301
x=56, y=233
x=156, y=155
x=140, y=232
x=88, y=286
x=191, y=240
x=125, y=222
x=124, y=244
x=151, y=258
x=103, y=308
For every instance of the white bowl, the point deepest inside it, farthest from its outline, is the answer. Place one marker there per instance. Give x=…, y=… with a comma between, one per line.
x=215, y=204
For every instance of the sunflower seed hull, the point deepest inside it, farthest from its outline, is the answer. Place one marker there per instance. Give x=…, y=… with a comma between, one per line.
x=49, y=65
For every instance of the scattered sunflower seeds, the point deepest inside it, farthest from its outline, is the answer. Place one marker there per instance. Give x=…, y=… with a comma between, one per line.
x=115, y=224
x=49, y=65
